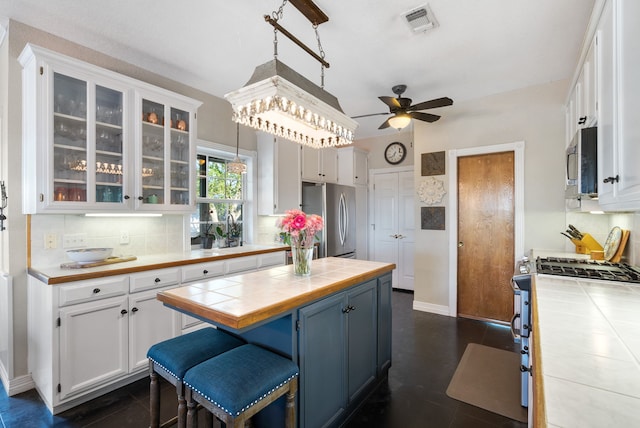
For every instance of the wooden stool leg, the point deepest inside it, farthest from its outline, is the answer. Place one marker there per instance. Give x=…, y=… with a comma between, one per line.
x=154, y=398
x=192, y=411
x=208, y=418
x=290, y=421
x=182, y=405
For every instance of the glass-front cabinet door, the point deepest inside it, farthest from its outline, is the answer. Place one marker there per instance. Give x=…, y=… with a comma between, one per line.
x=88, y=144
x=164, y=170
x=99, y=141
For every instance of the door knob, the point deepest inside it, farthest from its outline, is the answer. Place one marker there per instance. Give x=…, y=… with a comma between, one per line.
x=460, y=244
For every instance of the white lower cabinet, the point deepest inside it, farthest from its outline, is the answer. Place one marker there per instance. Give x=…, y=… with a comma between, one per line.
x=93, y=345
x=89, y=337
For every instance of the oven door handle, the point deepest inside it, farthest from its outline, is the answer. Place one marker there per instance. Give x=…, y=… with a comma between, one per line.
x=512, y=326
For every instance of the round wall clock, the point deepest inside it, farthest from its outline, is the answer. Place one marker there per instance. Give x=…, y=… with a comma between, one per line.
x=395, y=153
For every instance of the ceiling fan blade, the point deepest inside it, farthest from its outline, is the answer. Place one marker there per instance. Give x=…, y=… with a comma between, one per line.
x=390, y=101
x=367, y=115
x=385, y=125
x=438, y=102
x=426, y=117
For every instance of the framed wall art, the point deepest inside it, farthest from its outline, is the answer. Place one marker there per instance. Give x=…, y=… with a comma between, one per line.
x=432, y=164
x=432, y=218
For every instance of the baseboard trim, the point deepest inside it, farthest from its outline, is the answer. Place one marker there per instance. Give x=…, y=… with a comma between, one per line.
x=431, y=307
x=16, y=385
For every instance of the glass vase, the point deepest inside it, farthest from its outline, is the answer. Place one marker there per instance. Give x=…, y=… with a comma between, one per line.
x=302, y=260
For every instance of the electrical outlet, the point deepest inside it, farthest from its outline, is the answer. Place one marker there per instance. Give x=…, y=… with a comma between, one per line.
x=50, y=241
x=74, y=240
x=124, y=237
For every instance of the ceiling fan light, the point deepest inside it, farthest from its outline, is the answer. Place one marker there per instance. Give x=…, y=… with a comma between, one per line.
x=400, y=121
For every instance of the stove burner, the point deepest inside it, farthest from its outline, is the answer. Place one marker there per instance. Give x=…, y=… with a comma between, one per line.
x=591, y=269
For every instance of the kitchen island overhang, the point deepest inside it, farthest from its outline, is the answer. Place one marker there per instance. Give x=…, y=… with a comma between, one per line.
x=313, y=320
x=244, y=300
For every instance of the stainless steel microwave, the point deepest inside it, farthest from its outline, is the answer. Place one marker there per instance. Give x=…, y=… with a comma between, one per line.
x=582, y=164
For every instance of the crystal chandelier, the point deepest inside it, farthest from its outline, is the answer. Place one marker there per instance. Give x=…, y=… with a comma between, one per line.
x=280, y=101
x=237, y=166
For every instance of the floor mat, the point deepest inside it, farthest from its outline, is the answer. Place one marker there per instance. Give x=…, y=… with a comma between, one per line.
x=489, y=378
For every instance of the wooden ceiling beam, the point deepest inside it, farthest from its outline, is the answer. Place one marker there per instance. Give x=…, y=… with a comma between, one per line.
x=309, y=9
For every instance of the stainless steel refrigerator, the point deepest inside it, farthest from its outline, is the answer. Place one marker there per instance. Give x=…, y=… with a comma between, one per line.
x=337, y=205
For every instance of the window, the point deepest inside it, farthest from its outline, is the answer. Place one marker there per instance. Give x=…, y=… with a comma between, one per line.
x=220, y=201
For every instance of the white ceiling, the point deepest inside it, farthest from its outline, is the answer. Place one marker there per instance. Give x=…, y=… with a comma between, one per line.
x=480, y=47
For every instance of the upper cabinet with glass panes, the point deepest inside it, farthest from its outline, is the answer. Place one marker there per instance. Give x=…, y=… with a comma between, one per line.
x=93, y=143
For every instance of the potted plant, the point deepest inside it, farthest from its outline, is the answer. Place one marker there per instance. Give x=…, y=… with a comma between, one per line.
x=232, y=235
x=208, y=237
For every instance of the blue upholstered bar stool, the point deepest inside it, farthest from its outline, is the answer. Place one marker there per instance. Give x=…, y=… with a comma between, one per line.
x=173, y=357
x=236, y=385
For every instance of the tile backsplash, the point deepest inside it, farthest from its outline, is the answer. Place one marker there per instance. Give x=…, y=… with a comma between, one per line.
x=599, y=226
x=147, y=235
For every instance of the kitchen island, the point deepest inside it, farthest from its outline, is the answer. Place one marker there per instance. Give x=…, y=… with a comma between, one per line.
x=335, y=324
x=586, y=353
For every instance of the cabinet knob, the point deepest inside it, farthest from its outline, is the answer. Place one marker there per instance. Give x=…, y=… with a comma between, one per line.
x=525, y=369
x=126, y=197
x=140, y=198
x=205, y=272
x=611, y=179
x=123, y=312
x=157, y=280
x=134, y=309
x=96, y=290
x=582, y=120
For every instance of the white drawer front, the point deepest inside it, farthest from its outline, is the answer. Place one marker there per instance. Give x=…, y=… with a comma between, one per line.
x=92, y=289
x=202, y=271
x=154, y=279
x=242, y=264
x=272, y=259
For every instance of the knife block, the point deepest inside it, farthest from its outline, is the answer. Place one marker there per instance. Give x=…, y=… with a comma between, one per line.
x=586, y=245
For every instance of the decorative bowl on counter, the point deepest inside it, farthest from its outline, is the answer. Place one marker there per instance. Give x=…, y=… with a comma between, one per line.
x=88, y=255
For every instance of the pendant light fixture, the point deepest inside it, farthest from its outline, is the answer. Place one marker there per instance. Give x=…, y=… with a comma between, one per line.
x=237, y=166
x=280, y=101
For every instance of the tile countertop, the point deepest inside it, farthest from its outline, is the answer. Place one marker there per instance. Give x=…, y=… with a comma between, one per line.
x=587, y=351
x=243, y=300
x=57, y=275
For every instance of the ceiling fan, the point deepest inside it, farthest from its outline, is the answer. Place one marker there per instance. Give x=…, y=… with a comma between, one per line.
x=403, y=111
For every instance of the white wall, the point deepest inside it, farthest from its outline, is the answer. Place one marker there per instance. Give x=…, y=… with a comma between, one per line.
x=534, y=115
x=214, y=124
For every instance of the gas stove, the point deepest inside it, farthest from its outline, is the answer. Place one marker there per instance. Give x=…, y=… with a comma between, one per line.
x=590, y=269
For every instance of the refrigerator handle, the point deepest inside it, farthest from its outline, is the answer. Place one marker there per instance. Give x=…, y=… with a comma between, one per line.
x=342, y=220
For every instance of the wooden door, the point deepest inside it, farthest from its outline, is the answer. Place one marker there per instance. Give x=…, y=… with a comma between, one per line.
x=486, y=227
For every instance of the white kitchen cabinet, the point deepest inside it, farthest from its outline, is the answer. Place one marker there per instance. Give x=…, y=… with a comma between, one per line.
x=92, y=336
x=83, y=140
x=582, y=105
x=93, y=345
x=164, y=134
x=619, y=129
x=150, y=322
x=269, y=260
x=319, y=165
x=353, y=166
x=279, y=183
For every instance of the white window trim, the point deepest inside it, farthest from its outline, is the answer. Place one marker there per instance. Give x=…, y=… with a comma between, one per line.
x=250, y=157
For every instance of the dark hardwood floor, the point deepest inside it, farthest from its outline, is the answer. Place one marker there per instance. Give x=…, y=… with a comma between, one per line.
x=426, y=352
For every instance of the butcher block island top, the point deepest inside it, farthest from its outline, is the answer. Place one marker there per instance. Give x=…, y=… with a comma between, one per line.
x=241, y=301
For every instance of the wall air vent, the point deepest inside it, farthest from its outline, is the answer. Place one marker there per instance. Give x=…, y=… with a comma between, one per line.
x=420, y=19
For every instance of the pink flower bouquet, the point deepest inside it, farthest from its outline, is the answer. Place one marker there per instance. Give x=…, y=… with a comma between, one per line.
x=299, y=229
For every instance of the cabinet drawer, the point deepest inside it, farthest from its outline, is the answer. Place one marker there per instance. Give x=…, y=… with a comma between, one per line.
x=90, y=290
x=271, y=259
x=202, y=271
x=242, y=264
x=154, y=279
